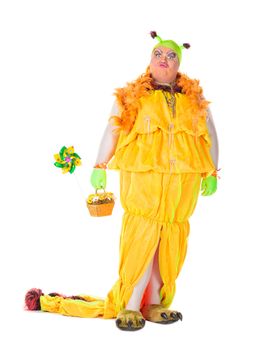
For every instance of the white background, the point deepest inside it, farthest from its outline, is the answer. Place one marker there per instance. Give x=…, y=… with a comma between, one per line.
x=60, y=64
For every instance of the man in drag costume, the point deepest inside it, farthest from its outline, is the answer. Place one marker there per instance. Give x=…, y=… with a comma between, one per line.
x=161, y=137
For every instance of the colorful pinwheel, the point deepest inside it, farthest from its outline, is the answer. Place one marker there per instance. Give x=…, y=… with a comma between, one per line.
x=67, y=159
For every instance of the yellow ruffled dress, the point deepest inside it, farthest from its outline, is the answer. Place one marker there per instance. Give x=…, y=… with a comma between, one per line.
x=161, y=163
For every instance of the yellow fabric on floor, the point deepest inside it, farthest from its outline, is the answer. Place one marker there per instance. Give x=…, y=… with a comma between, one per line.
x=157, y=208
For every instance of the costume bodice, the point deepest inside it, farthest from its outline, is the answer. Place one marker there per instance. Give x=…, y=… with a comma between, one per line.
x=155, y=113
x=164, y=139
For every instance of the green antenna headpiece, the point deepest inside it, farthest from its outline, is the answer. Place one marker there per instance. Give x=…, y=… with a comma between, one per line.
x=170, y=44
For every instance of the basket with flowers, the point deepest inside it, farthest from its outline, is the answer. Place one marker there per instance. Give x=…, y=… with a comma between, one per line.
x=101, y=204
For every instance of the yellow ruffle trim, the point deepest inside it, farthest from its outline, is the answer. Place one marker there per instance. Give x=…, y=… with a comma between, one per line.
x=144, y=152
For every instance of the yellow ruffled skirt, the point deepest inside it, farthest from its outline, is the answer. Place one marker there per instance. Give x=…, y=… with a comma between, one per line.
x=157, y=208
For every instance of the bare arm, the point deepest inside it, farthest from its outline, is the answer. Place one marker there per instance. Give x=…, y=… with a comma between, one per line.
x=214, y=150
x=109, y=139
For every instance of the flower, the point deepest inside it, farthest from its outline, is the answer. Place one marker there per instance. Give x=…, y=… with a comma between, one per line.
x=101, y=198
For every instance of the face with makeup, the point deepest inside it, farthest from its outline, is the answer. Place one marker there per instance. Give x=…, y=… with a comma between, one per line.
x=164, y=65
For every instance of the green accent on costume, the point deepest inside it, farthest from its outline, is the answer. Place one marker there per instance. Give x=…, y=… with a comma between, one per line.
x=209, y=185
x=171, y=45
x=98, y=178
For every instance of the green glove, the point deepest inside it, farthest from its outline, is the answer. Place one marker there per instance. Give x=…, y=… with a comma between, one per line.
x=98, y=178
x=209, y=185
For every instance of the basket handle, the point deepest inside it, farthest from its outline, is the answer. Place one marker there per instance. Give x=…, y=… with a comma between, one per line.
x=100, y=188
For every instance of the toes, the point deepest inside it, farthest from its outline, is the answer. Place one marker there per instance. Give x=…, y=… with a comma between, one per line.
x=130, y=323
x=157, y=313
x=118, y=322
x=179, y=315
x=142, y=322
x=174, y=315
x=139, y=322
x=164, y=315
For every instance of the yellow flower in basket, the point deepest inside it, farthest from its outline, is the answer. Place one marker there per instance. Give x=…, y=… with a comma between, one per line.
x=101, y=204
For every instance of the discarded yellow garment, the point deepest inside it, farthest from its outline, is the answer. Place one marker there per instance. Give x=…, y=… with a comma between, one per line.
x=161, y=165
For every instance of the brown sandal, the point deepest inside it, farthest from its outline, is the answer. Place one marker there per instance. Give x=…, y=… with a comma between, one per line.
x=158, y=314
x=130, y=320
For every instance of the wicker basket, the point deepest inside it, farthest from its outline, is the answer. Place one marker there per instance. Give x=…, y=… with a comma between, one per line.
x=101, y=207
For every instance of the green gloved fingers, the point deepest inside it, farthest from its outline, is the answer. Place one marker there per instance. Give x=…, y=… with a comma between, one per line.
x=209, y=185
x=98, y=178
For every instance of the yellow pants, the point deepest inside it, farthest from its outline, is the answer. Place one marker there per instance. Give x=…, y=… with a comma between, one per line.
x=157, y=207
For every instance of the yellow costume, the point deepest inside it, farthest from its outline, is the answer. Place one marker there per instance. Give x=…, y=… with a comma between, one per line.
x=161, y=162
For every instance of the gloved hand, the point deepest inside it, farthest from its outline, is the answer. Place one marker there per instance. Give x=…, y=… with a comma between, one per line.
x=98, y=178
x=209, y=185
